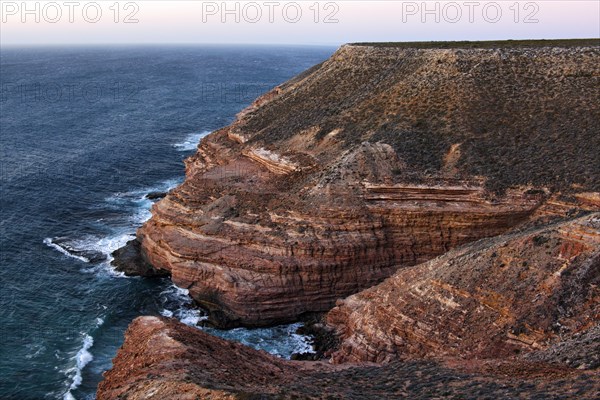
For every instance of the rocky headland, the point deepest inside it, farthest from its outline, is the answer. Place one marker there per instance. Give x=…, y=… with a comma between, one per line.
x=450, y=190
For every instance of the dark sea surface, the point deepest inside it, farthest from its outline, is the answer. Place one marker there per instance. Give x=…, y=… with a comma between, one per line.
x=85, y=134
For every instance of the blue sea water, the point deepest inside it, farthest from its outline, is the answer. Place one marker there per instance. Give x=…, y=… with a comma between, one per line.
x=85, y=134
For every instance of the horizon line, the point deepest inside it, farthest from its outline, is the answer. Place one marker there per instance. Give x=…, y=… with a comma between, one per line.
x=124, y=44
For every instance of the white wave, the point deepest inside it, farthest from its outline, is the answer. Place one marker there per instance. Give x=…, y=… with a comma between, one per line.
x=138, y=203
x=191, y=316
x=166, y=313
x=105, y=245
x=178, y=304
x=82, y=358
x=49, y=242
x=299, y=343
x=104, y=270
x=191, y=141
x=282, y=341
x=142, y=215
x=97, y=250
x=137, y=198
x=92, y=244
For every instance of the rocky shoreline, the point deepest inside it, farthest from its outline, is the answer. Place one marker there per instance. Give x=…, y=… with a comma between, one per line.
x=164, y=359
x=439, y=205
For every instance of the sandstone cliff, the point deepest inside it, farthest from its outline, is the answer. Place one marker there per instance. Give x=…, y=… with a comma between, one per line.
x=377, y=159
x=496, y=298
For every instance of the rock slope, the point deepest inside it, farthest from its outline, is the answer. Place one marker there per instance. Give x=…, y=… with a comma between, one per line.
x=163, y=359
x=390, y=161
x=496, y=298
x=377, y=159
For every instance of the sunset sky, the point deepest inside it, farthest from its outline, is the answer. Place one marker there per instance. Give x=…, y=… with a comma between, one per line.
x=283, y=22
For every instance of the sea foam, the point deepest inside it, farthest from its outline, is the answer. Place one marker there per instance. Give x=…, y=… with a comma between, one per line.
x=81, y=359
x=98, y=249
x=191, y=141
x=50, y=243
x=178, y=304
x=281, y=341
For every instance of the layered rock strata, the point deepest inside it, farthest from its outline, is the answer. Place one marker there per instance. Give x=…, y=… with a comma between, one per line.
x=377, y=159
x=386, y=161
x=496, y=298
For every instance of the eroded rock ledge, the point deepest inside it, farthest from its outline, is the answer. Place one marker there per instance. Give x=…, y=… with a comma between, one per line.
x=377, y=159
x=163, y=359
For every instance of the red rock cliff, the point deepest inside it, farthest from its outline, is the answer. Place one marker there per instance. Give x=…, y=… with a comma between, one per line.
x=377, y=159
x=495, y=298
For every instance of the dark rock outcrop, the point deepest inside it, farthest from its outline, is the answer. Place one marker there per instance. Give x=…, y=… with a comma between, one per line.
x=129, y=260
x=156, y=195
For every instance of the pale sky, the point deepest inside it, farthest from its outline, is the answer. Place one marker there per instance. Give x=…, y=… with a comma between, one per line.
x=287, y=22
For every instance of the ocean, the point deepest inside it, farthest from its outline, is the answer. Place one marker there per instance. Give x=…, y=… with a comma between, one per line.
x=85, y=134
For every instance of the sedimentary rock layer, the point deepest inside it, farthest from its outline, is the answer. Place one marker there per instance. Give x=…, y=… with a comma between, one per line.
x=163, y=359
x=499, y=297
x=253, y=263
x=377, y=159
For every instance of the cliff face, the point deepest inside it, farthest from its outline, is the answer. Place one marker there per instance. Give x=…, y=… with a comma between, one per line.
x=495, y=298
x=379, y=158
x=163, y=359
x=389, y=162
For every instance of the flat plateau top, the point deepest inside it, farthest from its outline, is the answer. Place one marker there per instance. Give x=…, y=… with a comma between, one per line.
x=486, y=44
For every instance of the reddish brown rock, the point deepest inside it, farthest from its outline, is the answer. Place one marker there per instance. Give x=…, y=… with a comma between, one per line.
x=255, y=255
x=379, y=158
x=165, y=360
x=368, y=165
x=498, y=297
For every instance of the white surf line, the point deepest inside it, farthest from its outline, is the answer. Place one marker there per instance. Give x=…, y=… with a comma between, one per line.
x=191, y=141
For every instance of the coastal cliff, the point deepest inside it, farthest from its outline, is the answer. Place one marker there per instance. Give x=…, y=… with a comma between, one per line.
x=380, y=158
x=441, y=203
x=514, y=316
